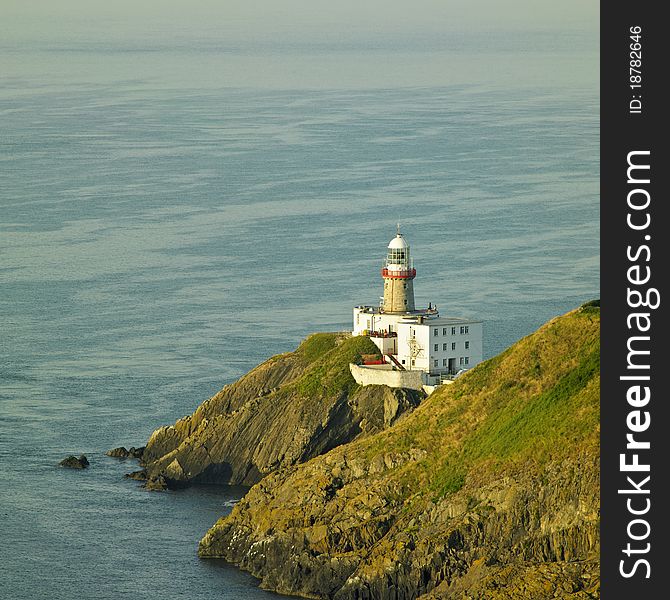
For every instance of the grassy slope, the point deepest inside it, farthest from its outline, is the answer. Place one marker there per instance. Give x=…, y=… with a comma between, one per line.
x=530, y=411
x=533, y=402
x=329, y=373
x=288, y=392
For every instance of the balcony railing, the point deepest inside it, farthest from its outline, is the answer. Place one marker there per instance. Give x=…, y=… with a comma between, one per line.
x=398, y=273
x=383, y=334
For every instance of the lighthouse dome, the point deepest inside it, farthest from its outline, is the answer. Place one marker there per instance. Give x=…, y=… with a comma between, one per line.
x=398, y=242
x=397, y=256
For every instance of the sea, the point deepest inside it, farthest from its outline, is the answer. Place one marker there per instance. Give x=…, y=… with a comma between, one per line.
x=176, y=207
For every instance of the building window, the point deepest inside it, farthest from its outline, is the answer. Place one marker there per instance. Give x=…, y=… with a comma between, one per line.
x=404, y=286
x=467, y=329
x=444, y=362
x=467, y=345
x=462, y=330
x=462, y=360
x=453, y=345
x=403, y=361
x=444, y=346
x=453, y=331
x=436, y=347
x=435, y=362
x=467, y=360
x=405, y=300
x=436, y=332
x=444, y=331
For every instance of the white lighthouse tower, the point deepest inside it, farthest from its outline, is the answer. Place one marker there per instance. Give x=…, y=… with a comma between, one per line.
x=418, y=346
x=398, y=273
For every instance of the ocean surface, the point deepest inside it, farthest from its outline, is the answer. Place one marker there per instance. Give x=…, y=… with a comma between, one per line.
x=173, y=213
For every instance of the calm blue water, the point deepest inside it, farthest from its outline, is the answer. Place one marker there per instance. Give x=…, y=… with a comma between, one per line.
x=162, y=231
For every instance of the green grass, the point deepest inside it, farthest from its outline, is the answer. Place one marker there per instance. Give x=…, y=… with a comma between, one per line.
x=590, y=308
x=449, y=479
x=521, y=428
x=537, y=400
x=316, y=346
x=540, y=421
x=330, y=372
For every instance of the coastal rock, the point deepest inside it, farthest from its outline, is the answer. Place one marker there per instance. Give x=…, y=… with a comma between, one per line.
x=74, y=462
x=291, y=408
x=136, y=452
x=121, y=452
x=156, y=484
x=489, y=490
x=140, y=475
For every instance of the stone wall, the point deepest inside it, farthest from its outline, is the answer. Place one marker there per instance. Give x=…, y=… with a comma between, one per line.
x=386, y=376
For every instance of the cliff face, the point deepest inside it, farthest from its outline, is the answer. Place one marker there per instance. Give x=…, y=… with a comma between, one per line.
x=287, y=410
x=488, y=490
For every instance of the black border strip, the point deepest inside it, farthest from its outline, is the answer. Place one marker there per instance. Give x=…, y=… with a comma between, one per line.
x=623, y=130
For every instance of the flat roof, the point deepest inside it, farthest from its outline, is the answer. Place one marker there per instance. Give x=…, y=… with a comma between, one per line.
x=420, y=312
x=431, y=316
x=386, y=367
x=448, y=321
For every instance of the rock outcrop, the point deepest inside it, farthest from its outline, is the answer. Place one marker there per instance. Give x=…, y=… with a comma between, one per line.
x=488, y=490
x=74, y=462
x=122, y=452
x=289, y=409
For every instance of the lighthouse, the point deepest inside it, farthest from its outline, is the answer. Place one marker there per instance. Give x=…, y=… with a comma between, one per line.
x=398, y=273
x=418, y=346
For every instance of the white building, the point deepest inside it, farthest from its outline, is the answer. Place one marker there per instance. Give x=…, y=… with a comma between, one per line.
x=413, y=339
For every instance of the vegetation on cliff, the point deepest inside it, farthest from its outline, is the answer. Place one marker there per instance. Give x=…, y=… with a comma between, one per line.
x=287, y=410
x=488, y=490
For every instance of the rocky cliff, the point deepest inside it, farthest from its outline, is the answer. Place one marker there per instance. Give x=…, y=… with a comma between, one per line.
x=291, y=408
x=488, y=490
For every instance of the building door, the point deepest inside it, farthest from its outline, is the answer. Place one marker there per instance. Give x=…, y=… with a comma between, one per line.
x=452, y=365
